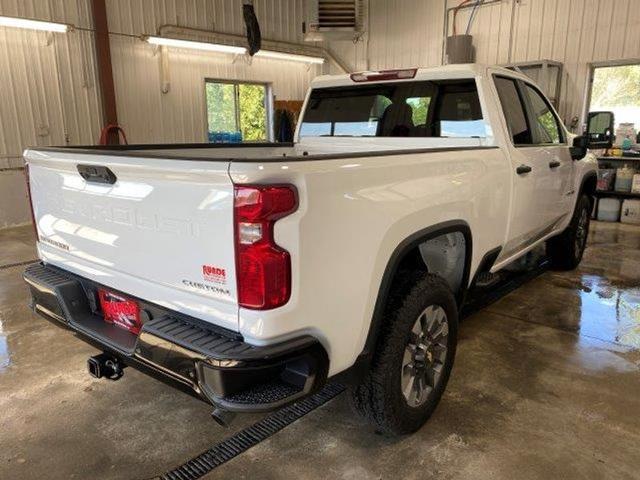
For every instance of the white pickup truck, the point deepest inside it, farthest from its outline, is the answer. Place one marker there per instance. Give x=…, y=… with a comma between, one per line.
x=250, y=275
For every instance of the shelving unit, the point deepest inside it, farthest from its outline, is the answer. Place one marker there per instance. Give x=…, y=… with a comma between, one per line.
x=618, y=161
x=612, y=193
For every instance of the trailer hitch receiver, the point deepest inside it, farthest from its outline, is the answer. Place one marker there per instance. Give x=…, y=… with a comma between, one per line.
x=105, y=366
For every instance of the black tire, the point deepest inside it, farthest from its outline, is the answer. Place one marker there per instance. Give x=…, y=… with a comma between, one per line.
x=379, y=397
x=566, y=250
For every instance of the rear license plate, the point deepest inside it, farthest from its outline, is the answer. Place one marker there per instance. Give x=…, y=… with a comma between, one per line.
x=120, y=311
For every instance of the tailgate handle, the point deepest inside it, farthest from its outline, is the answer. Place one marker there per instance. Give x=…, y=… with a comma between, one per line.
x=97, y=174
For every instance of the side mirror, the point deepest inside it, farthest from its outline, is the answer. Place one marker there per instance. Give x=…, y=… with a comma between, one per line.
x=579, y=148
x=599, y=134
x=600, y=129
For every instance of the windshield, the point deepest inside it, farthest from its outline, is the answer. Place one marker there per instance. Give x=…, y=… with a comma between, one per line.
x=448, y=108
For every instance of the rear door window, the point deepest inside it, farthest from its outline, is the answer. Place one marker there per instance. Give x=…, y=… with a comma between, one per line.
x=514, y=112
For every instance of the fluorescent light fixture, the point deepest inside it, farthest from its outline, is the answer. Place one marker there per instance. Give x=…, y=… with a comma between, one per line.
x=211, y=47
x=294, y=57
x=34, y=24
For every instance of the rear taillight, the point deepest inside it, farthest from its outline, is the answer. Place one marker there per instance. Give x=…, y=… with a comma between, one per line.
x=263, y=269
x=33, y=216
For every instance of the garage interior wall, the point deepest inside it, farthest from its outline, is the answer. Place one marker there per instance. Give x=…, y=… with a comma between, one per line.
x=49, y=89
x=48, y=93
x=48, y=85
x=150, y=116
x=575, y=32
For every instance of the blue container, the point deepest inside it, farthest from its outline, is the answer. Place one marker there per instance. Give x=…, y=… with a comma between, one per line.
x=224, y=137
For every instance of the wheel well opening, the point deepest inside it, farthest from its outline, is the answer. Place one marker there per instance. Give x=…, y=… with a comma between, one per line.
x=589, y=188
x=444, y=255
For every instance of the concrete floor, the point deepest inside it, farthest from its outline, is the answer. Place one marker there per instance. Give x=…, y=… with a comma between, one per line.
x=546, y=385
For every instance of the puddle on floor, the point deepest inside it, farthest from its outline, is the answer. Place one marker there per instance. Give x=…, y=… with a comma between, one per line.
x=5, y=359
x=582, y=284
x=610, y=312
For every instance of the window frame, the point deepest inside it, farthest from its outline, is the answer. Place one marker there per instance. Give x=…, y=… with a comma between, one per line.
x=530, y=113
x=516, y=81
x=268, y=99
x=433, y=106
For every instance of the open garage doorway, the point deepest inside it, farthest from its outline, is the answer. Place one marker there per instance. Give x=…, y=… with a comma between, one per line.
x=616, y=88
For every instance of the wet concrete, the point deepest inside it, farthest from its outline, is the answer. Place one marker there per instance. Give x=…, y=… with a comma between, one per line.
x=546, y=385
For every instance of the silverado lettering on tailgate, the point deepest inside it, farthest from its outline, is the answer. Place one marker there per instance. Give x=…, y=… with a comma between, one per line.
x=126, y=216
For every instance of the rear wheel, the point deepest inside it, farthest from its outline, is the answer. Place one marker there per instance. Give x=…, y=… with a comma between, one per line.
x=414, y=357
x=566, y=250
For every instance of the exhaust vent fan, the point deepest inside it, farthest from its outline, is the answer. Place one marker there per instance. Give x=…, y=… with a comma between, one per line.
x=334, y=20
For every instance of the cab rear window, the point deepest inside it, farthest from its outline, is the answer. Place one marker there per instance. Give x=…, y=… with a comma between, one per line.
x=449, y=108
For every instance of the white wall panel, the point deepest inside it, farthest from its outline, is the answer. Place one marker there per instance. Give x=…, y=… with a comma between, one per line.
x=147, y=114
x=402, y=33
x=575, y=32
x=76, y=12
x=48, y=91
x=279, y=19
x=150, y=116
x=49, y=94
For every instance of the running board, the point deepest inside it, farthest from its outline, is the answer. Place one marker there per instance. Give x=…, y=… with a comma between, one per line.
x=479, y=297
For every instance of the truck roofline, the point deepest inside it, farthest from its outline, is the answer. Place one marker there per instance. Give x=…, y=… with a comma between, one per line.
x=442, y=72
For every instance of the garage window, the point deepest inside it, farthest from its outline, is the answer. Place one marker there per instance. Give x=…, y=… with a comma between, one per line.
x=616, y=88
x=237, y=111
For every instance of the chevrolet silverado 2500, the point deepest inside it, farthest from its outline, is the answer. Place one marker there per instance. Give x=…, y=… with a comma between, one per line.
x=249, y=275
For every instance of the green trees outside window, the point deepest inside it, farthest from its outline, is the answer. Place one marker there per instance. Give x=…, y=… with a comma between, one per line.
x=237, y=107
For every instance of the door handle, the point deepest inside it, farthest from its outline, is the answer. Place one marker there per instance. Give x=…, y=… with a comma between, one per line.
x=522, y=169
x=554, y=164
x=97, y=174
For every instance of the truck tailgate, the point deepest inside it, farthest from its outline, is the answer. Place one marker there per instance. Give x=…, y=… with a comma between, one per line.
x=162, y=231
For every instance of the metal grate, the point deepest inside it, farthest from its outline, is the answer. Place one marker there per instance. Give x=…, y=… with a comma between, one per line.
x=18, y=264
x=337, y=14
x=251, y=436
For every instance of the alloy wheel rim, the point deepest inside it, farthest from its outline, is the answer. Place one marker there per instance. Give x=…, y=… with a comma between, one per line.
x=424, y=355
x=581, y=232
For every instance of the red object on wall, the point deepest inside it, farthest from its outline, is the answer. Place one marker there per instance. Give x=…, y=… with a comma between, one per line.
x=109, y=130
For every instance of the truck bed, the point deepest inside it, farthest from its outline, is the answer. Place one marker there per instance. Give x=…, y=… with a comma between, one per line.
x=309, y=149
